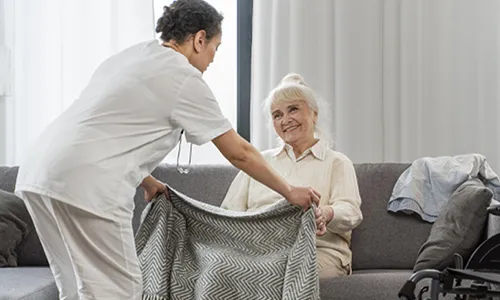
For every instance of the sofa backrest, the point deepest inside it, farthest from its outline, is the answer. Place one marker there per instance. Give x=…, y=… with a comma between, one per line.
x=8, y=178
x=383, y=240
x=207, y=183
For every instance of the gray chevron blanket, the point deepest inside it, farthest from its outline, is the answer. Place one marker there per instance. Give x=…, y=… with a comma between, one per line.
x=192, y=250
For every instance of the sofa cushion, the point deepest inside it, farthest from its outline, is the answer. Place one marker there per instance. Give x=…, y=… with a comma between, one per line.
x=27, y=283
x=459, y=227
x=20, y=242
x=30, y=251
x=8, y=176
x=384, y=240
x=15, y=225
x=372, y=284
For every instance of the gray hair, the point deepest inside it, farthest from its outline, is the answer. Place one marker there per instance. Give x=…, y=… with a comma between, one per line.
x=293, y=87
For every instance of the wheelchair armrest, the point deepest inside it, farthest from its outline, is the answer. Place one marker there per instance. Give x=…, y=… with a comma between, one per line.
x=493, y=278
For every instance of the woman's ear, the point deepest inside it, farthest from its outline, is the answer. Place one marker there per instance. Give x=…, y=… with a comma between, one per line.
x=315, y=117
x=200, y=39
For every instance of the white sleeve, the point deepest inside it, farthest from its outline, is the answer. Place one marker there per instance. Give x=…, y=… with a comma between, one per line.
x=345, y=199
x=198, y=113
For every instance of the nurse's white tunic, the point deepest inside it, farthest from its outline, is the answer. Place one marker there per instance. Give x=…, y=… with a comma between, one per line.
x=127, y=119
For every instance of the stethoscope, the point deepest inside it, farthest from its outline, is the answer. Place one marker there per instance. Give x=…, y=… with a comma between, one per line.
x=180, y=169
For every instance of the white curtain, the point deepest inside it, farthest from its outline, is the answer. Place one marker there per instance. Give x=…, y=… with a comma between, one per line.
x=6, y=73
x=57, y=46
x=403, y=79
x=5, y=53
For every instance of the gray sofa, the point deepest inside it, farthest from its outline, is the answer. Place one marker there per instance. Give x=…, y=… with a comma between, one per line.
x=384, y=246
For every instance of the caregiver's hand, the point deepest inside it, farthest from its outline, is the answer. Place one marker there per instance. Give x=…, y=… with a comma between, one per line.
x=152, y=187
x=303, y=197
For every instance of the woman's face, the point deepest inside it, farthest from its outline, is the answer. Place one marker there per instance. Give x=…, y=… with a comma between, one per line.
x=204, y=50
x=294, y=121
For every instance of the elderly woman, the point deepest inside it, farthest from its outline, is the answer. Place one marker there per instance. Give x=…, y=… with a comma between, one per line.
x=305, y=158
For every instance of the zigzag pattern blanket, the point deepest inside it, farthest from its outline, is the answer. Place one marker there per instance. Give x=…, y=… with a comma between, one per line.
x=192, y=250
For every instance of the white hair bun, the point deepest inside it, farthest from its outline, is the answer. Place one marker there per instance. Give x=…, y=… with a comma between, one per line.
x=293, y=78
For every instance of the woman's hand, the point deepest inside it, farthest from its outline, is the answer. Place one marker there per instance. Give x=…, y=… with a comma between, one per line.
x=152, y=187
x=303, y=197
x=324, y=215
x=320, y=222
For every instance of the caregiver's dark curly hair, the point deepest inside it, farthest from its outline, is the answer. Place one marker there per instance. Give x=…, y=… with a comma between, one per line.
x=185, y=17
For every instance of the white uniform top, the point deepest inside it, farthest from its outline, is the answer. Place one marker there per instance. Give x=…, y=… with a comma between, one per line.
x=124, y=123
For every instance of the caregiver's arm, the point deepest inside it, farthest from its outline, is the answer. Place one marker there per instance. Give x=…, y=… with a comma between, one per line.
x=245, y=157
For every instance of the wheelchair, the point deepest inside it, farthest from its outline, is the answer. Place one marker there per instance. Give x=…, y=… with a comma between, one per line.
x=482, y=271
